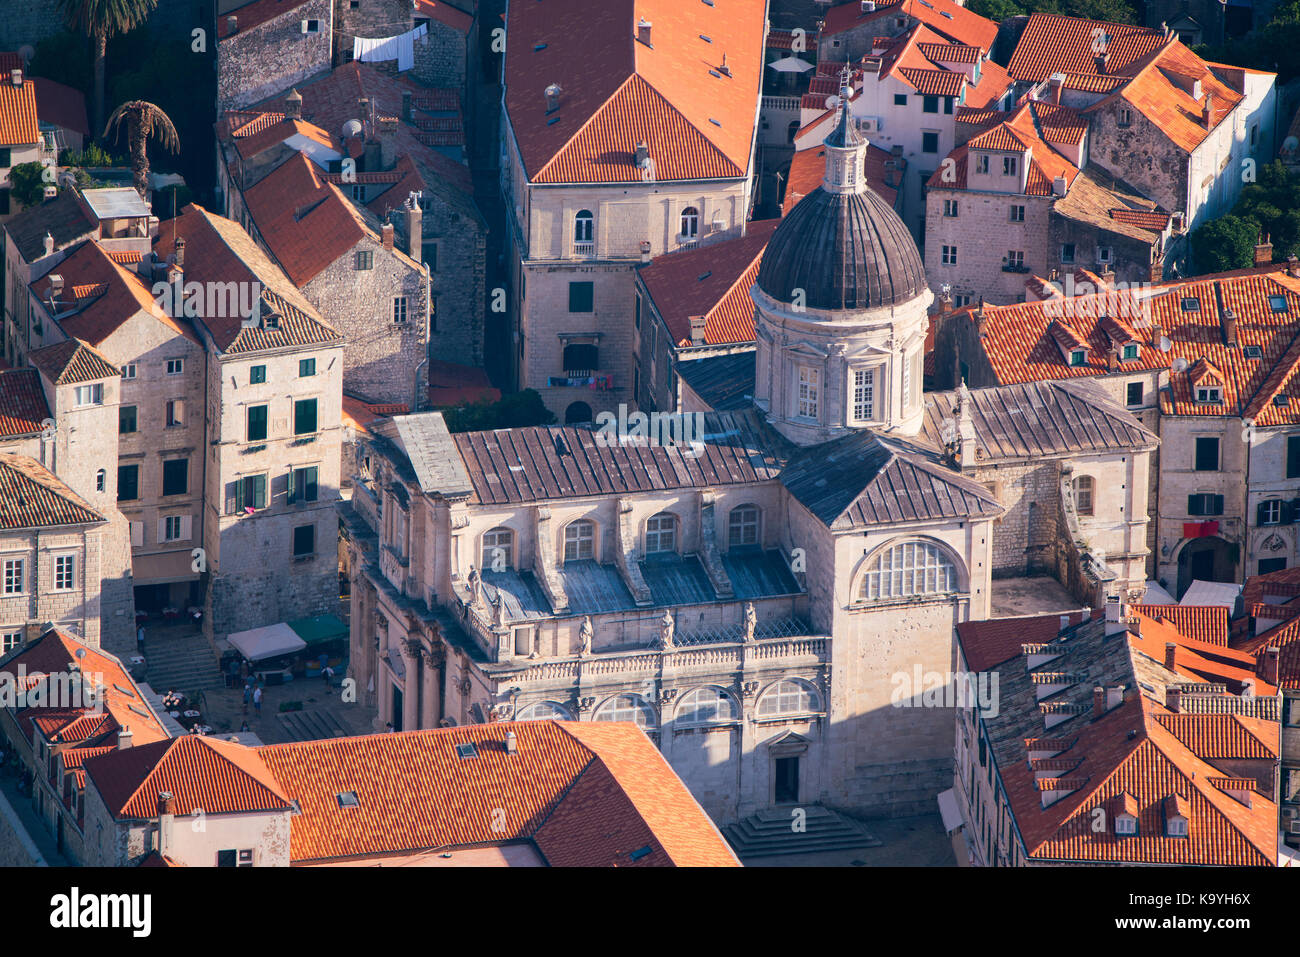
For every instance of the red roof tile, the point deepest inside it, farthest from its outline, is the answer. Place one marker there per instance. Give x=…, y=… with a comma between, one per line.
x=444, y=13
x=953, y=21
x=61, y=105
x=453, y=384
x=1207, y=623
x=808, y=169
x=18, y=120
x=22, y=403
x=1057, y=44
x=255, y=14
x=72, y=361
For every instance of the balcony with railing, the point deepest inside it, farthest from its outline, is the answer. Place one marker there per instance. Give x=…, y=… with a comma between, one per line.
x=584, y=249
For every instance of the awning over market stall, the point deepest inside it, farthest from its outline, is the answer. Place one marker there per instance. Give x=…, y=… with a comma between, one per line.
x=318, y=630
x=258, y=644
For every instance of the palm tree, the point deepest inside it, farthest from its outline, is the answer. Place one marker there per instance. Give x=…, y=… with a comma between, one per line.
x=143, y=120
x=99, y=20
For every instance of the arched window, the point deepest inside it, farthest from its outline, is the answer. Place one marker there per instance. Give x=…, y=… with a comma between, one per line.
x=690, y=222
x=101, y=477
x=542, y=711
x=742, y=527
x=788, y=696
x=661, y=534
x=579, y=540
x=584, y=227
x=498, y=550
x=706, y=706
x=1083, y=486
x=912, y=568
x=577, y=413
x=627, y=707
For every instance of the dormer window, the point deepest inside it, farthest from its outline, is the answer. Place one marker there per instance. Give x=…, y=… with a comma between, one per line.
x=1176, y=827
x=1130, y=351
x=1209, y=394
x=1126, y=824
x=981, y=164
x=1176, y=810
x=1079, y=357
x=1009, y=166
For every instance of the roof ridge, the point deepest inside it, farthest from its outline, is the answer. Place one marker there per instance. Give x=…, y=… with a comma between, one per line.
x=591, y=118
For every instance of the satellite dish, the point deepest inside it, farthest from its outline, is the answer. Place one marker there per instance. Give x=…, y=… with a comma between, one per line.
x=1165, y=344
x=1180, y=365
x=833, y=102
x=351, y=128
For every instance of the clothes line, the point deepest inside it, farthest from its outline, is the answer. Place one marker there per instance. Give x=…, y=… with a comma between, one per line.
x=400, y=48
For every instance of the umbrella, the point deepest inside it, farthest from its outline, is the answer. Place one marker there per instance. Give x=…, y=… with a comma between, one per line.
x=791, y=64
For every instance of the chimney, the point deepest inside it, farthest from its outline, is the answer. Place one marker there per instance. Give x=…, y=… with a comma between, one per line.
x=1100, y=61
x=1207, y=111
x=1115, y=614
x=1157, y=333
x=1271, y=658
x=166, y=803
x=1171, y=651
x=49, y=245
x=414, y=229
x=1098, y=701
x=724, y=69
x=1264, y=252
x=124, y=739
x=232, y=25
x=1065, y=622
x=697, y=330
x=1173, y=699
x=980, y=320
x=645, y=250
x=1059, y=186
x=512, y=743
x=1112, y=359
x=56, y=287
x=1054, y=84
x=945, y=301
x=406, y=106
x=180, y=251
x=386, y=235
x=1114, y=697
x=166, y=816
x=16, y=76
x=1248, y=688
x=642, y=155
x=553, y=97
x=388, y=141
x=293, y=106
x=373, y=156
x=1228, y=319
x=643, y=31
x=1293, y=267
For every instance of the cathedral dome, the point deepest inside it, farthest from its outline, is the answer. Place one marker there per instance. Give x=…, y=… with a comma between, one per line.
x=845, y=250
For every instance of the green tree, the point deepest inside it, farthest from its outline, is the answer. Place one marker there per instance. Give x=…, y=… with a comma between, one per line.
x=1273, y=201
x=143, y=120
x=996, y=10
x=99, y=20
x=65, y=58
x=1224, y=243
x=27, y=183
x=516, y=411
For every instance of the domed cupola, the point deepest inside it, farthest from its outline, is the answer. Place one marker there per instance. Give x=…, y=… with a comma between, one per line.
x=842, y=304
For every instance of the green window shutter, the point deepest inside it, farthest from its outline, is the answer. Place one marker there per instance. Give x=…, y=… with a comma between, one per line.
x=291, y=495
x=309, y=487
x=259, y=491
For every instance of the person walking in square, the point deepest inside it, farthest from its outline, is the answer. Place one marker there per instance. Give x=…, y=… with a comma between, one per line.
x=257, y=699
x=248, y=694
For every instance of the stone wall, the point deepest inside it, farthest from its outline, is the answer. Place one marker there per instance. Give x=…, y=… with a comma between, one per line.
x=1141, y=155
x=29, y=23
x=440, y=57
x=260, y=61
x=1130, y=258
x=984, y=236
x=16, y=846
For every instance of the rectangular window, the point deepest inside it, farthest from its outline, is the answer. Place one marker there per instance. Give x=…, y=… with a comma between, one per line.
x=13, y=580
x=304, y=540
x=1207, y=454
x=1016, y=258
x=176, y=477
x=175, y=413
x=250, y=492
x=175, y=366
x=947, y=105
x=930, y=104
x=579, y=541
x=257, y=375
x=1067, y=253
x=307, y=367
x=864, y=394
x=981, y=164
x=1017, y=214
x=365, y=259
x=582, y=296
x=1134, y=396
x=1130, y=351
x=126, y=419
x=257, y=423
x=1103, y=254
x=128, y=371
x=304, y=417
x=1009, y=166
x=1209, y=393
x=1270, y=512
x=1293, y=456
x=64, y=566
x=1267, y=565
x=900, y=99
x=303, y=484
x=809, y=392
x=1125, y=118
x=929, y=142
x=128, y=483
x=171, y=528
x=399, y=309
x=949, y=255
x=950, y=208
x=90, y=394
x=1204, y=504
x=636, y=310
x=10, y=640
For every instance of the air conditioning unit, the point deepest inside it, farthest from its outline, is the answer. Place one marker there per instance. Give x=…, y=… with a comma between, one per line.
x=1293, y=827
x=868, y=124
x=311, y=26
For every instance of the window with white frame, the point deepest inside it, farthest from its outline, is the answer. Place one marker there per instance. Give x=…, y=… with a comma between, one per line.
x=864, y=394
x=13, y=576
x=1083, y=489
x=950, y=208
x=498, y=549
x=706, y=705
x=1009, y=166
x=1209, y=393
x=948, y=255
x=1017, y=213
x=64, y=572
x=742, y=526
x=690, y=222
x=661, y=534
x=1016, y=258
x=809, y=393
x=579, y=540
x=583, y=226
x=175, y=366
x=542, y=711
x=89, y=394
x=909, y=569
x=788, y=696
x=128, y=370
x=399, y=309
x=9, y=640
x=172, y=528
x=982, y=163
x=627, y=707
x=1270, y=512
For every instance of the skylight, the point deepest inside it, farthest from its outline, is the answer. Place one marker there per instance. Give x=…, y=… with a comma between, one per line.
x=1252, y=352
x=706, y=39
x=467, y=750
x=1191, y=304
x=348, y=799
x=1278, y=303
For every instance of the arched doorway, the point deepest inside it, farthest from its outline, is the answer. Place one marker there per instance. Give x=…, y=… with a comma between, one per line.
x=577, y=413
x=1208, y=559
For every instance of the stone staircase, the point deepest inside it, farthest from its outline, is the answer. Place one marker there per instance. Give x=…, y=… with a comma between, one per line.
x=311, y=725
x=180, y=660
x=772, y=831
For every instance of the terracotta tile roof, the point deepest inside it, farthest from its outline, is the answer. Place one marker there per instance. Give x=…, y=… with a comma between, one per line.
x=1056, y=44
x=935, y=82
x=1020, y=350
x=415, y=792
x=993, y=82
x=305, y=221
x=444, y=13
x=18, y=122
x=1018, y=134
x=1001, y=137
x=61, y=105
x=1089, y=83
x=808, y=169
x=218, y=250
x=1221, y=736
x=1153, y=221
x=1284, y=582
x=454, y=384
x=63, y=218
x=22, y=403
x=72, y=361
x=406, y=180
x=617, y=91
x=987, y=643
x=254, y=15
x=952, y=52
x=953, y=21
x=780, y=39
x=1197, y=660
x=1205, y=623
x=712, y=281
x=201, y=773
x=251, y=144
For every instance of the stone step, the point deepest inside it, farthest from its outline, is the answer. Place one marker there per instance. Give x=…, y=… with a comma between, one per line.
x=310, y=725
x=770, y=832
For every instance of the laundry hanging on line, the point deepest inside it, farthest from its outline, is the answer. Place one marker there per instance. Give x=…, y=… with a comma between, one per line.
x=400, y=48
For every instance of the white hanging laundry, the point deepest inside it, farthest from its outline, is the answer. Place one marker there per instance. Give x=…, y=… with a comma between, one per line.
x=400, y=48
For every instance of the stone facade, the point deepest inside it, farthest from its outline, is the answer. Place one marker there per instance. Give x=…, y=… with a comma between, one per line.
x=255, y=62
x=30, y=23
x=78, y=608
x=985, y=238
